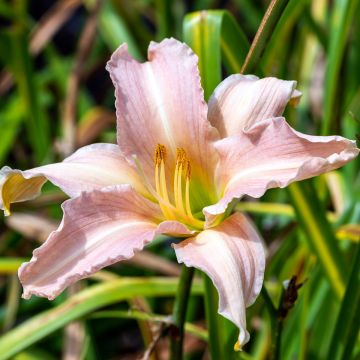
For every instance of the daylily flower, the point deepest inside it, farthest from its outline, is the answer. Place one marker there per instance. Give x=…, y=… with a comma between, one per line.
x=179, y=167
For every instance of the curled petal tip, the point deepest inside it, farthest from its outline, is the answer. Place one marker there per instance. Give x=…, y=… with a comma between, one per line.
x=237, y=346
x=26, y=295
x=295, y=98
x=272, y=154
x=233, y=248
x=16, y=186
x=241, y=101
x=90, y=167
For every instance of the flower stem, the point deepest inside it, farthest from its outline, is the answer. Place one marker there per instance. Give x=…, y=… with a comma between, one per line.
x=277, y=343
x=269, y=303
x=277, y=331
x=212, y=318
x=179, y=312
x=275, y=323
x=288, y=297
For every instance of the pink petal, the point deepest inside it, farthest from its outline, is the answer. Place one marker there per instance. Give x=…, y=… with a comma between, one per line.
x=272, y=154
x=91, y=167
x=99, y=228
x=161, y=102
x=242, y=100
x=232, y=255
x=174, y=228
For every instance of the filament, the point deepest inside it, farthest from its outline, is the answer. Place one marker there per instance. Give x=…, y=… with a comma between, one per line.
x=182, y=209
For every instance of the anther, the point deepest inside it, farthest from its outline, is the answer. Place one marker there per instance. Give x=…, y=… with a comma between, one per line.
x=188, y=170
x=160, y=154
x=180, y=156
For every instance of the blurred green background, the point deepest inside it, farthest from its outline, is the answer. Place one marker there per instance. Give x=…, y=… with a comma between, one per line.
x=56, y=96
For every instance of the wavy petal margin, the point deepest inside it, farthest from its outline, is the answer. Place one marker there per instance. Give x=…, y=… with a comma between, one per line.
x=272, y=154
x=232, y=255
x=241, y=101
x=91, y=167
x=161, y=101
x=99, y=228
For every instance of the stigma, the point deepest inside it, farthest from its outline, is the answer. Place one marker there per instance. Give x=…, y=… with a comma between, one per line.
x=179, y=206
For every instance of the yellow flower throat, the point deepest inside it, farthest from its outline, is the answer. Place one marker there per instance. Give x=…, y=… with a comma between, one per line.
x=181, y=209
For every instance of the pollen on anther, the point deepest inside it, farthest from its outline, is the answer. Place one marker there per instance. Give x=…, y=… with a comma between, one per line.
x=180, y=157
x=188, y=170
x=160, y=154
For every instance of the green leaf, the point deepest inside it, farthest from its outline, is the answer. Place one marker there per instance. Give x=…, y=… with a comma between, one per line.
x=265, y=30
x=348, y=321
x=319, y=234
x=165, y=20
x=269, y=208
x=10, y=122
x=82, y=304
x=35, y=121
x=114, y=30
x=139, y=315
x=215, y=36
x=280, y=37
x=10, y=265
x=343, y=15
x=213, y=319
x=251, y=12
x=179, y=311
x=34, y=354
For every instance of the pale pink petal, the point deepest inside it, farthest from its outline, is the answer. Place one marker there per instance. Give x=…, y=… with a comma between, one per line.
x=232, y=255
x=174, y=228
x=98, y=229
x=242, y=100
x=272, y=154
x=161, y=102
x=91, y=167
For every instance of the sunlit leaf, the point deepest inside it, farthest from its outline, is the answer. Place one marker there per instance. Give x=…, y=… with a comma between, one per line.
x=83, y=303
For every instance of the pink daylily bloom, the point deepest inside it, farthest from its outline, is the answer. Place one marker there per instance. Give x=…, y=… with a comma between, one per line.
x=177, y=169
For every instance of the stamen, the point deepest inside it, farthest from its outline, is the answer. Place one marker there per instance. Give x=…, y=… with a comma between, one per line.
x=178, y=189
x=176, y=175
x=160, y=179
x=163, y=186
x=187, y=190
x=158, y=189
x=163, y=152
x=181, y=156
x=166, y=207
x=182, y=209
x=160, y=154
x=188, y=170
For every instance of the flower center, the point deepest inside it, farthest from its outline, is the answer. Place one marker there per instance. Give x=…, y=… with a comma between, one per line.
x=181, y=208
